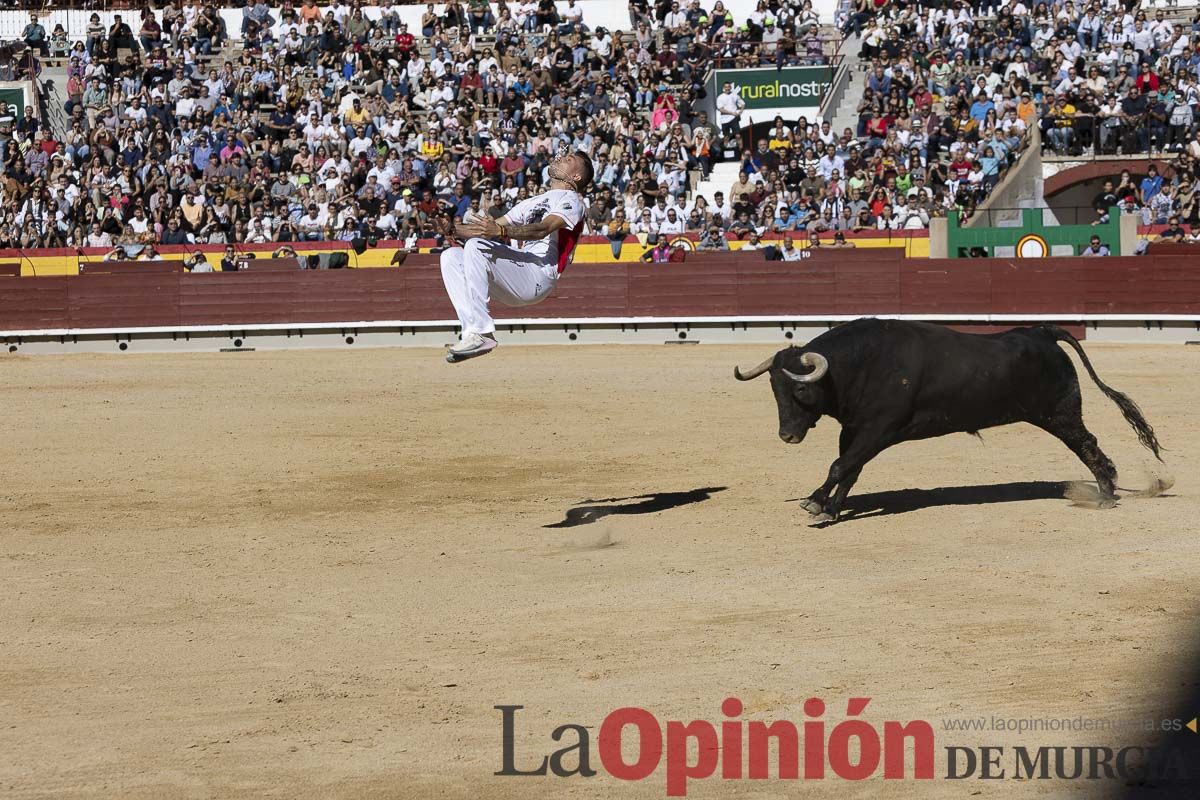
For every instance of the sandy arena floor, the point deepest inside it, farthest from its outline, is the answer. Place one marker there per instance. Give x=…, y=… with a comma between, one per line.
x=313, y=574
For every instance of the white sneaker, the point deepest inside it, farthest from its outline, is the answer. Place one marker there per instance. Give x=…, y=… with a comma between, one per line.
x=471, y=346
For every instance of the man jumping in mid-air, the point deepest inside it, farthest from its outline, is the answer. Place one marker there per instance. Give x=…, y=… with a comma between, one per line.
x=547, y=228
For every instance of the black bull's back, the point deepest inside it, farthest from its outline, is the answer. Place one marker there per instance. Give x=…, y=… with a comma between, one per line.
x=889, y=381
x=930, y=380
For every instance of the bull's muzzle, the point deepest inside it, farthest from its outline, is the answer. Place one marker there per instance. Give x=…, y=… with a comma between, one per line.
x=792, y=438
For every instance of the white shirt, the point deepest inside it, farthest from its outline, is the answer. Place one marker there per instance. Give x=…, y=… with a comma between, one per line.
x=671, y=228
x=572, y=14
x=442, y=96
x=674, y=19
x=563, y=203
x=826, y=165
x=729, y=107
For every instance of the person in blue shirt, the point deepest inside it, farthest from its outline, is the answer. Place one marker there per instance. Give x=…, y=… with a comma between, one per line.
x=461, y=200
x=980, y=108
x=523, y=86
x=224, y=109
x=1151, y=185
x=990, y=164
x=879, y=82
x=201, y=152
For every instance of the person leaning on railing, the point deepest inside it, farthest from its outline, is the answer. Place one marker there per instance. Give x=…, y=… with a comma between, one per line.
x=1135, y=134
x=1060, y=128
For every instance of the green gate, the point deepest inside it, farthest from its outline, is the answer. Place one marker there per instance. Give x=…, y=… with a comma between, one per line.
x=1032, y=238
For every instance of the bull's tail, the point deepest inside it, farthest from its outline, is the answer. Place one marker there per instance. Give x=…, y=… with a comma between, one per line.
x=1129, y=409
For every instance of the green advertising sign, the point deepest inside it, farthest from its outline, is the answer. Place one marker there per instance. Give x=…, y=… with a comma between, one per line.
x=790, y=87
x=12, y=102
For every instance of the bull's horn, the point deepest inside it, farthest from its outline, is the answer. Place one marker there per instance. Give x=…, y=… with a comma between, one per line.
x=754, y=373
x=818, y=362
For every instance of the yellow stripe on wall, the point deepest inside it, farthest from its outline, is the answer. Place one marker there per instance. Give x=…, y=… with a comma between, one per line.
x=914, y=247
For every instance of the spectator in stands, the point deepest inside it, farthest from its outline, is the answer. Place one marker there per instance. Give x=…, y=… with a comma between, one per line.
x=789, y=251
x=230, y=262
x=616, y=229
x=34, y=35
x=1095, y=248
x=1174, y=233
x=197, y=262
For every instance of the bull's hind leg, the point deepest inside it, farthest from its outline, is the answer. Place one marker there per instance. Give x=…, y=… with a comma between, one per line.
x=1084, y=445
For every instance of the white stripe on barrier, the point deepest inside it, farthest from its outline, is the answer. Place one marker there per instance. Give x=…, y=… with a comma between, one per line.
x=605, y=322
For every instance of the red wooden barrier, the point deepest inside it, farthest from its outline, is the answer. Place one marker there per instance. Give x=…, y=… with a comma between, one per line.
x=711, y=284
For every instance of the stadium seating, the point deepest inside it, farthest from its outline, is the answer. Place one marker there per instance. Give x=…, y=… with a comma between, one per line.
x=309, y=121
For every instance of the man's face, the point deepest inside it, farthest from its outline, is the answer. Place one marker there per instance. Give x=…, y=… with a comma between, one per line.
x=562, y=167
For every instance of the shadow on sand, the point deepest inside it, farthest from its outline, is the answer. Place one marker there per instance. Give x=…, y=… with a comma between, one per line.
x=900, y=501
x=590, y=511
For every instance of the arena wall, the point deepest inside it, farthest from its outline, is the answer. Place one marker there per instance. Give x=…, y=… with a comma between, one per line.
x=720, y=292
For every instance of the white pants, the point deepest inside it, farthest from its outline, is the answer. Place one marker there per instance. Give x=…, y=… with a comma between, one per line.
x=483, y=269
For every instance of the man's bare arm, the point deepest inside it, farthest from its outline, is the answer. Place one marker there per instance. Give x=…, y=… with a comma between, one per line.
x=537, y=230
x=500, y=229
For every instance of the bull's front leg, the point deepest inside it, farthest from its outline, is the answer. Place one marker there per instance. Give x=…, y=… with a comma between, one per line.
x=819, y=503
x=857, y=448
x=816, y=502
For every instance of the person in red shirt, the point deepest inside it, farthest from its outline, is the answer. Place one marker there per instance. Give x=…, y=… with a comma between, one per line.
x=471, y=84
x=877, y=127
x=1147, y=80
x=922, y=100
x=513, y=166
x=405, y=40
x=878, y=201
x=960, y=167
x=489, y=164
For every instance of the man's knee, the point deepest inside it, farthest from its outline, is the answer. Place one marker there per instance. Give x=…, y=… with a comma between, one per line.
x=476, y=247
x=451, y=257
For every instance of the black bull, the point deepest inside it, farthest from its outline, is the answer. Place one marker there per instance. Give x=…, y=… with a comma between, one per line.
x=888, y=381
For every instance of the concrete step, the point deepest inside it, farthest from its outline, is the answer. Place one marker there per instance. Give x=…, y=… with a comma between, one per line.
x=846, y=113
x=720, y=179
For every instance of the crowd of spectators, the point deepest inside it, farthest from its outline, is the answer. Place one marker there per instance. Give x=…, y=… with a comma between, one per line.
x=336, y=121
x=968, y=81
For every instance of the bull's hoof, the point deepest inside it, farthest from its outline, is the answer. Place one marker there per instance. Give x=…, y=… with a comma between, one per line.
x=823, y=517
x=812, y=506
x=1107, y=502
